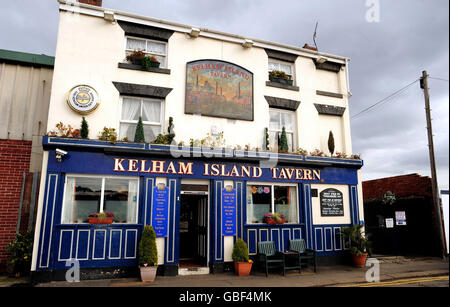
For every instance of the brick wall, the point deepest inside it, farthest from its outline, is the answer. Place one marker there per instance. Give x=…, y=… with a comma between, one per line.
x=405, y=185
x=14, y=161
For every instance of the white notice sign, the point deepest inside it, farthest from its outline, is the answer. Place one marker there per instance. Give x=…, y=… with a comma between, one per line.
x=390, y=223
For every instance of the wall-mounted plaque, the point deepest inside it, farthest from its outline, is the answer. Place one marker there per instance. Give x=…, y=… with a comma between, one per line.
x=229, y=211
x=219, y=89
x=83, y=99
x=331, y=203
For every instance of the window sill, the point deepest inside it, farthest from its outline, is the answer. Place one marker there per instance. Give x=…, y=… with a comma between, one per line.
x=140, y=68
x=273, y=225
x=283, y=86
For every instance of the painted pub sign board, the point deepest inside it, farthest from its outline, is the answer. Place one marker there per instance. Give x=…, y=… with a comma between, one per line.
x=228, y=212
x=160, y=210
x=331, y=203
x=219, y=89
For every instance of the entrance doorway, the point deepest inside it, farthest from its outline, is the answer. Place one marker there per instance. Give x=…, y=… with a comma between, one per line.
x=194, y=228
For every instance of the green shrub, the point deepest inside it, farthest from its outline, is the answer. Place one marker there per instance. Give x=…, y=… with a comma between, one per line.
x=331, y=143
x=139, y=135
x=84, y=131
x=240, y=251
x=148, y=254
x=21, y=250
x=283, y=141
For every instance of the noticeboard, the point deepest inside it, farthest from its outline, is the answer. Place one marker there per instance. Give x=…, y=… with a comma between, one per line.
x=331, y=203
x=160, y=210
x=228, y=212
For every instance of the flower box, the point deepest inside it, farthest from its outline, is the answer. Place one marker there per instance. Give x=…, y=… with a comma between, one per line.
x=97, y=220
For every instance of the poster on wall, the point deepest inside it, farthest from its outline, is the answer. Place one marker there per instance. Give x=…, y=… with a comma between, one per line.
x=219, y=89
x=400, y=218
x=229, y=211
x=331, y=203
x=160, y=210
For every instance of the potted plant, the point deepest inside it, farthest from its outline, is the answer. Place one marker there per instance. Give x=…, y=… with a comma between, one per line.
x=101, y=218
x=242, y=263
x=358, y=243
x=136, y=57
x=280, y=77
x=268, y=219
x=150, y=61
x=148, y=254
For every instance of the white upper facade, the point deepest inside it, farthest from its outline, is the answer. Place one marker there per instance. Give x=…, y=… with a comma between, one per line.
x=92, y=44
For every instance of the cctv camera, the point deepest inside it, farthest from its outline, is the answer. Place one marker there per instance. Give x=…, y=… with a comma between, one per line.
x=60, y=154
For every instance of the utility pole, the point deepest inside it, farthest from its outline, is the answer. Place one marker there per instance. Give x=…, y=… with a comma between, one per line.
x=434, y=185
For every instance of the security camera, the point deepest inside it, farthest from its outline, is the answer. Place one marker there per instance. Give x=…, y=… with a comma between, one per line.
x=60, y=154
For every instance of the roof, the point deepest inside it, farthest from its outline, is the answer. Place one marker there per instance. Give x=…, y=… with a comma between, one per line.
x=22, y=58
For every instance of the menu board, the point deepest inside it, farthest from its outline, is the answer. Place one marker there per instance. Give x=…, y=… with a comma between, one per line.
x=160, y=210
x=331, y=203
x=228, y=212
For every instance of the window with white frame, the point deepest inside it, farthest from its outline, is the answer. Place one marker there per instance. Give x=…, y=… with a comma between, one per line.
x=157, y=49
x=286, y=67
x=279, y=119
x=150, y=110
x=271, y=198
x=86, y=195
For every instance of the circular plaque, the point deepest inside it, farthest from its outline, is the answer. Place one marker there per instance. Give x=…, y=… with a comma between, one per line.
x=83, y=99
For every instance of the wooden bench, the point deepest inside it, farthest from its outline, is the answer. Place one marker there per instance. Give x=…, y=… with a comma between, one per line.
x=305, y=255
x=268, y=257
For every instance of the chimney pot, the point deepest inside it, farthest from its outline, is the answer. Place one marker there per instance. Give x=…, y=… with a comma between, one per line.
x=92, y=2
x=306, y=46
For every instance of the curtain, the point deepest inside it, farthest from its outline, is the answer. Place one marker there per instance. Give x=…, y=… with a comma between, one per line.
x=293, y=205
x=132, y=200
x=69, y=201
x=135, y=44
x=131, y=109
x=151, y=111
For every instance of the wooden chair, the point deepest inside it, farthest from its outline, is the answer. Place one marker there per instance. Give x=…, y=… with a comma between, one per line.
x=268, y=257
x=305, y=255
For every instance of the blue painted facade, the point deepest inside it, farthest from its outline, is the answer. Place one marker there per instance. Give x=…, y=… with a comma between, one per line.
x=115, y=245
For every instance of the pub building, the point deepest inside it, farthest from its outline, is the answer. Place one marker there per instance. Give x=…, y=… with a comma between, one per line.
x=222, y=173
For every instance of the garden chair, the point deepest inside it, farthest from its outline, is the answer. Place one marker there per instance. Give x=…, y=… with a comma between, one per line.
x=268, y=257
x=305, y=255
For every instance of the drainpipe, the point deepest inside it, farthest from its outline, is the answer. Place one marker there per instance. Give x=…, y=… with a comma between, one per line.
x=347, y=79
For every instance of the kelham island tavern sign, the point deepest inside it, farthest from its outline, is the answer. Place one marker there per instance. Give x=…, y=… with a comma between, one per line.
x=219, y=89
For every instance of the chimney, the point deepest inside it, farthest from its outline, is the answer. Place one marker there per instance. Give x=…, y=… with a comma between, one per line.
x=310, y=47
x=92, y=2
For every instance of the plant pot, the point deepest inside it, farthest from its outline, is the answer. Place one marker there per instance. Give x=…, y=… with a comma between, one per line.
x=359, y=261
x=96, y=220
x=281, y=80
x=154, y=64
x=270, y=221
x=148, y=273
x=136, y=61
x=242, y=268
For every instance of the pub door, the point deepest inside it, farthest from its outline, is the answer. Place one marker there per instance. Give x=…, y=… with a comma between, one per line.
x=193, y=230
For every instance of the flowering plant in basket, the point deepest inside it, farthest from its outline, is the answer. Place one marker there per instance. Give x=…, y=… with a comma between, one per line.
x=101, y=218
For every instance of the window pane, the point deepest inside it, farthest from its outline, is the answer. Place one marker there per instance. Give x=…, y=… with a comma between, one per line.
x=151, y=132
x=286, y=202
x=287, y=121
x=131, y=109
x=81, y=198
x=128, y=131
x=151, y=111
x=274, y=121
x=121, y=199
x=154, y=47
x=274, y=66
x=258, y=203
x=286, y=68
x=135, y=44
x=273, y=140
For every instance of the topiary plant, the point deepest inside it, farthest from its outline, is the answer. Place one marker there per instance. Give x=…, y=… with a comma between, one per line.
x=283, y=141
x=84, y=131
x=266, y=134
x=331, y=143
x=139, y=135
x=148, y=253
x=240, y=251
x=171, y=132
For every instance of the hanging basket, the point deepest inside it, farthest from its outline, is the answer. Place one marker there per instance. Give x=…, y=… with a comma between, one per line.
x=96, y=220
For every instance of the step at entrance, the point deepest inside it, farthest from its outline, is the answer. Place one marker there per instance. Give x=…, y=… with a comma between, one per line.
x=193, y=271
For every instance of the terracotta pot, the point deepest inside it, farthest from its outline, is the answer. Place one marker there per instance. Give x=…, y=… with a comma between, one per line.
x=270, y=221
x=359, y=261
x=242, y=268
x=148, y=274
x=96, y=220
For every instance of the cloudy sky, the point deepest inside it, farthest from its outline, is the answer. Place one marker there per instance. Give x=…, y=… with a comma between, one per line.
x=410, y=36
